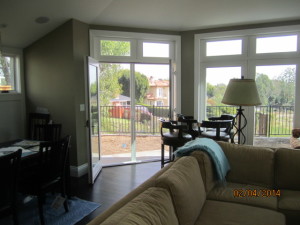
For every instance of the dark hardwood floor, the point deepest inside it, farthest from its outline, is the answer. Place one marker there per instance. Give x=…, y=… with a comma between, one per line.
x=111, y=185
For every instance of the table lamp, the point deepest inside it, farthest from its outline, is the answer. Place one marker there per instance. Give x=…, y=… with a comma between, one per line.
x=241, y=92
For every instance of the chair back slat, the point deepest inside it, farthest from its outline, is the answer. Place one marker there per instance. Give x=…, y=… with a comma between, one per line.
x=47, y=132
x=34, y=119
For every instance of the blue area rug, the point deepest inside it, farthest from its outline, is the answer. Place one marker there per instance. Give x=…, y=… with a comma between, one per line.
x=28, y=212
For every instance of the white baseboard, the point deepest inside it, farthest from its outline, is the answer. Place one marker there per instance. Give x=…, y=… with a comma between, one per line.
x=78, y=171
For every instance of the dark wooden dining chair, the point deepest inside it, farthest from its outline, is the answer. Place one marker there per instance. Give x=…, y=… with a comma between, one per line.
x=190, y=123
x=51, y=173
x=34, y=119
x=9, y=173
x=174, y=138
x=47, y=132
x=230, y=129
x=217, y=130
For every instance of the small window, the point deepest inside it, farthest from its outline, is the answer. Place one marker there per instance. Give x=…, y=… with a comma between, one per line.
x=115, y=48
x=156, y=50
x=276, y=44
x=159, y=92
x=228, y=47
x=7, y=73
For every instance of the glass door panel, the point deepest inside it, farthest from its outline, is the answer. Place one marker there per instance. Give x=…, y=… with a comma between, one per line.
x=115, y=113
x=133, y=97
x=95, y=165
x=274, y=118
x=152, y=97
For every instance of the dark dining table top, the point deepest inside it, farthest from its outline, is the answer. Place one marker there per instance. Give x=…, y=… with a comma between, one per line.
x=28, y=147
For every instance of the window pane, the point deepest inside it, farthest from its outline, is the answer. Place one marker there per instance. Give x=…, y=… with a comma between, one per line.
x=115, y=48
x=155, y=50
x=217, y=80
x=218, y=48
x=276, y=44
x=276, y=85
x=7, y=74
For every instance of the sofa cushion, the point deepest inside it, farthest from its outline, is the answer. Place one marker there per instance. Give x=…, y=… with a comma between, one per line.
x=289, y=200
x=244, y=194
x=287, y=169
x=152, y=207
x=225, y=213
x=250, y=164
x=184, y=182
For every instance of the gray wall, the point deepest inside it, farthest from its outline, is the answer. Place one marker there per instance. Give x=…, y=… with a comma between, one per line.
x=54, y=75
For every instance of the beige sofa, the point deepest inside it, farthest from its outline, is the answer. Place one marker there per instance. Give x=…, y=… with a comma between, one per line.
x=186, y=192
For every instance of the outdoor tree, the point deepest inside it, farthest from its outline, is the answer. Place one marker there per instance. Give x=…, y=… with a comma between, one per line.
x=265, y=89
x=215, y=94
x=115, y=48
x=141, y=85
x=210, y=90
x=286, y=84
x=108, y=83
x=4, y=69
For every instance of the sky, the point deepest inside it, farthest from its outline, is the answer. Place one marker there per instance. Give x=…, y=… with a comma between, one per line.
x=154, y=70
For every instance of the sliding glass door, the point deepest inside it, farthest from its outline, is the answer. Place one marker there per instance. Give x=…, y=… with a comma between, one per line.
x=134, y=97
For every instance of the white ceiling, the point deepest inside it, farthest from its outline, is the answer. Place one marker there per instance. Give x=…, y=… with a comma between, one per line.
x=175, y=15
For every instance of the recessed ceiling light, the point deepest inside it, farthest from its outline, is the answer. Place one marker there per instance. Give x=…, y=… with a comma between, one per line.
x=42, y=19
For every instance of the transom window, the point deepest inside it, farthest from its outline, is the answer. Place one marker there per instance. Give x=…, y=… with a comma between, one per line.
x=227, y=47
x=156, y=49
x=115, y=48
x=276, y=44
x=132, y=47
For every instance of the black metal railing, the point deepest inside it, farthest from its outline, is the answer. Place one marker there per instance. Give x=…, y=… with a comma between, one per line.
x=269, y=120
x=116, y=119
x=273, y=120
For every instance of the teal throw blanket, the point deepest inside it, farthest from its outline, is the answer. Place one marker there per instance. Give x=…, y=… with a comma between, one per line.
x=213, y=149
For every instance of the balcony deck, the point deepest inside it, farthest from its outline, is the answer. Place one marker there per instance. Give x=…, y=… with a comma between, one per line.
x=152, y=148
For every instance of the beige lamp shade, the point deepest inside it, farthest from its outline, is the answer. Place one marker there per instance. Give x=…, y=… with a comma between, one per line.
x=241, y=92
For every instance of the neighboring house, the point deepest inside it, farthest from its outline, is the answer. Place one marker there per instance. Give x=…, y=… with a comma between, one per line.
x=120, y=100
x=158, y=94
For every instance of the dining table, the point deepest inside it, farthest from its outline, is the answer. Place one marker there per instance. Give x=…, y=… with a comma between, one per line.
x=30, y=159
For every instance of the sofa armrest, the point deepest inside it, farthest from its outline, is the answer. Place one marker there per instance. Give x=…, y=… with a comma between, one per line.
x=207, y=169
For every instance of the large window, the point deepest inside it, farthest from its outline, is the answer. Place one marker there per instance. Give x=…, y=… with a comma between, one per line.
x=271, y=56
